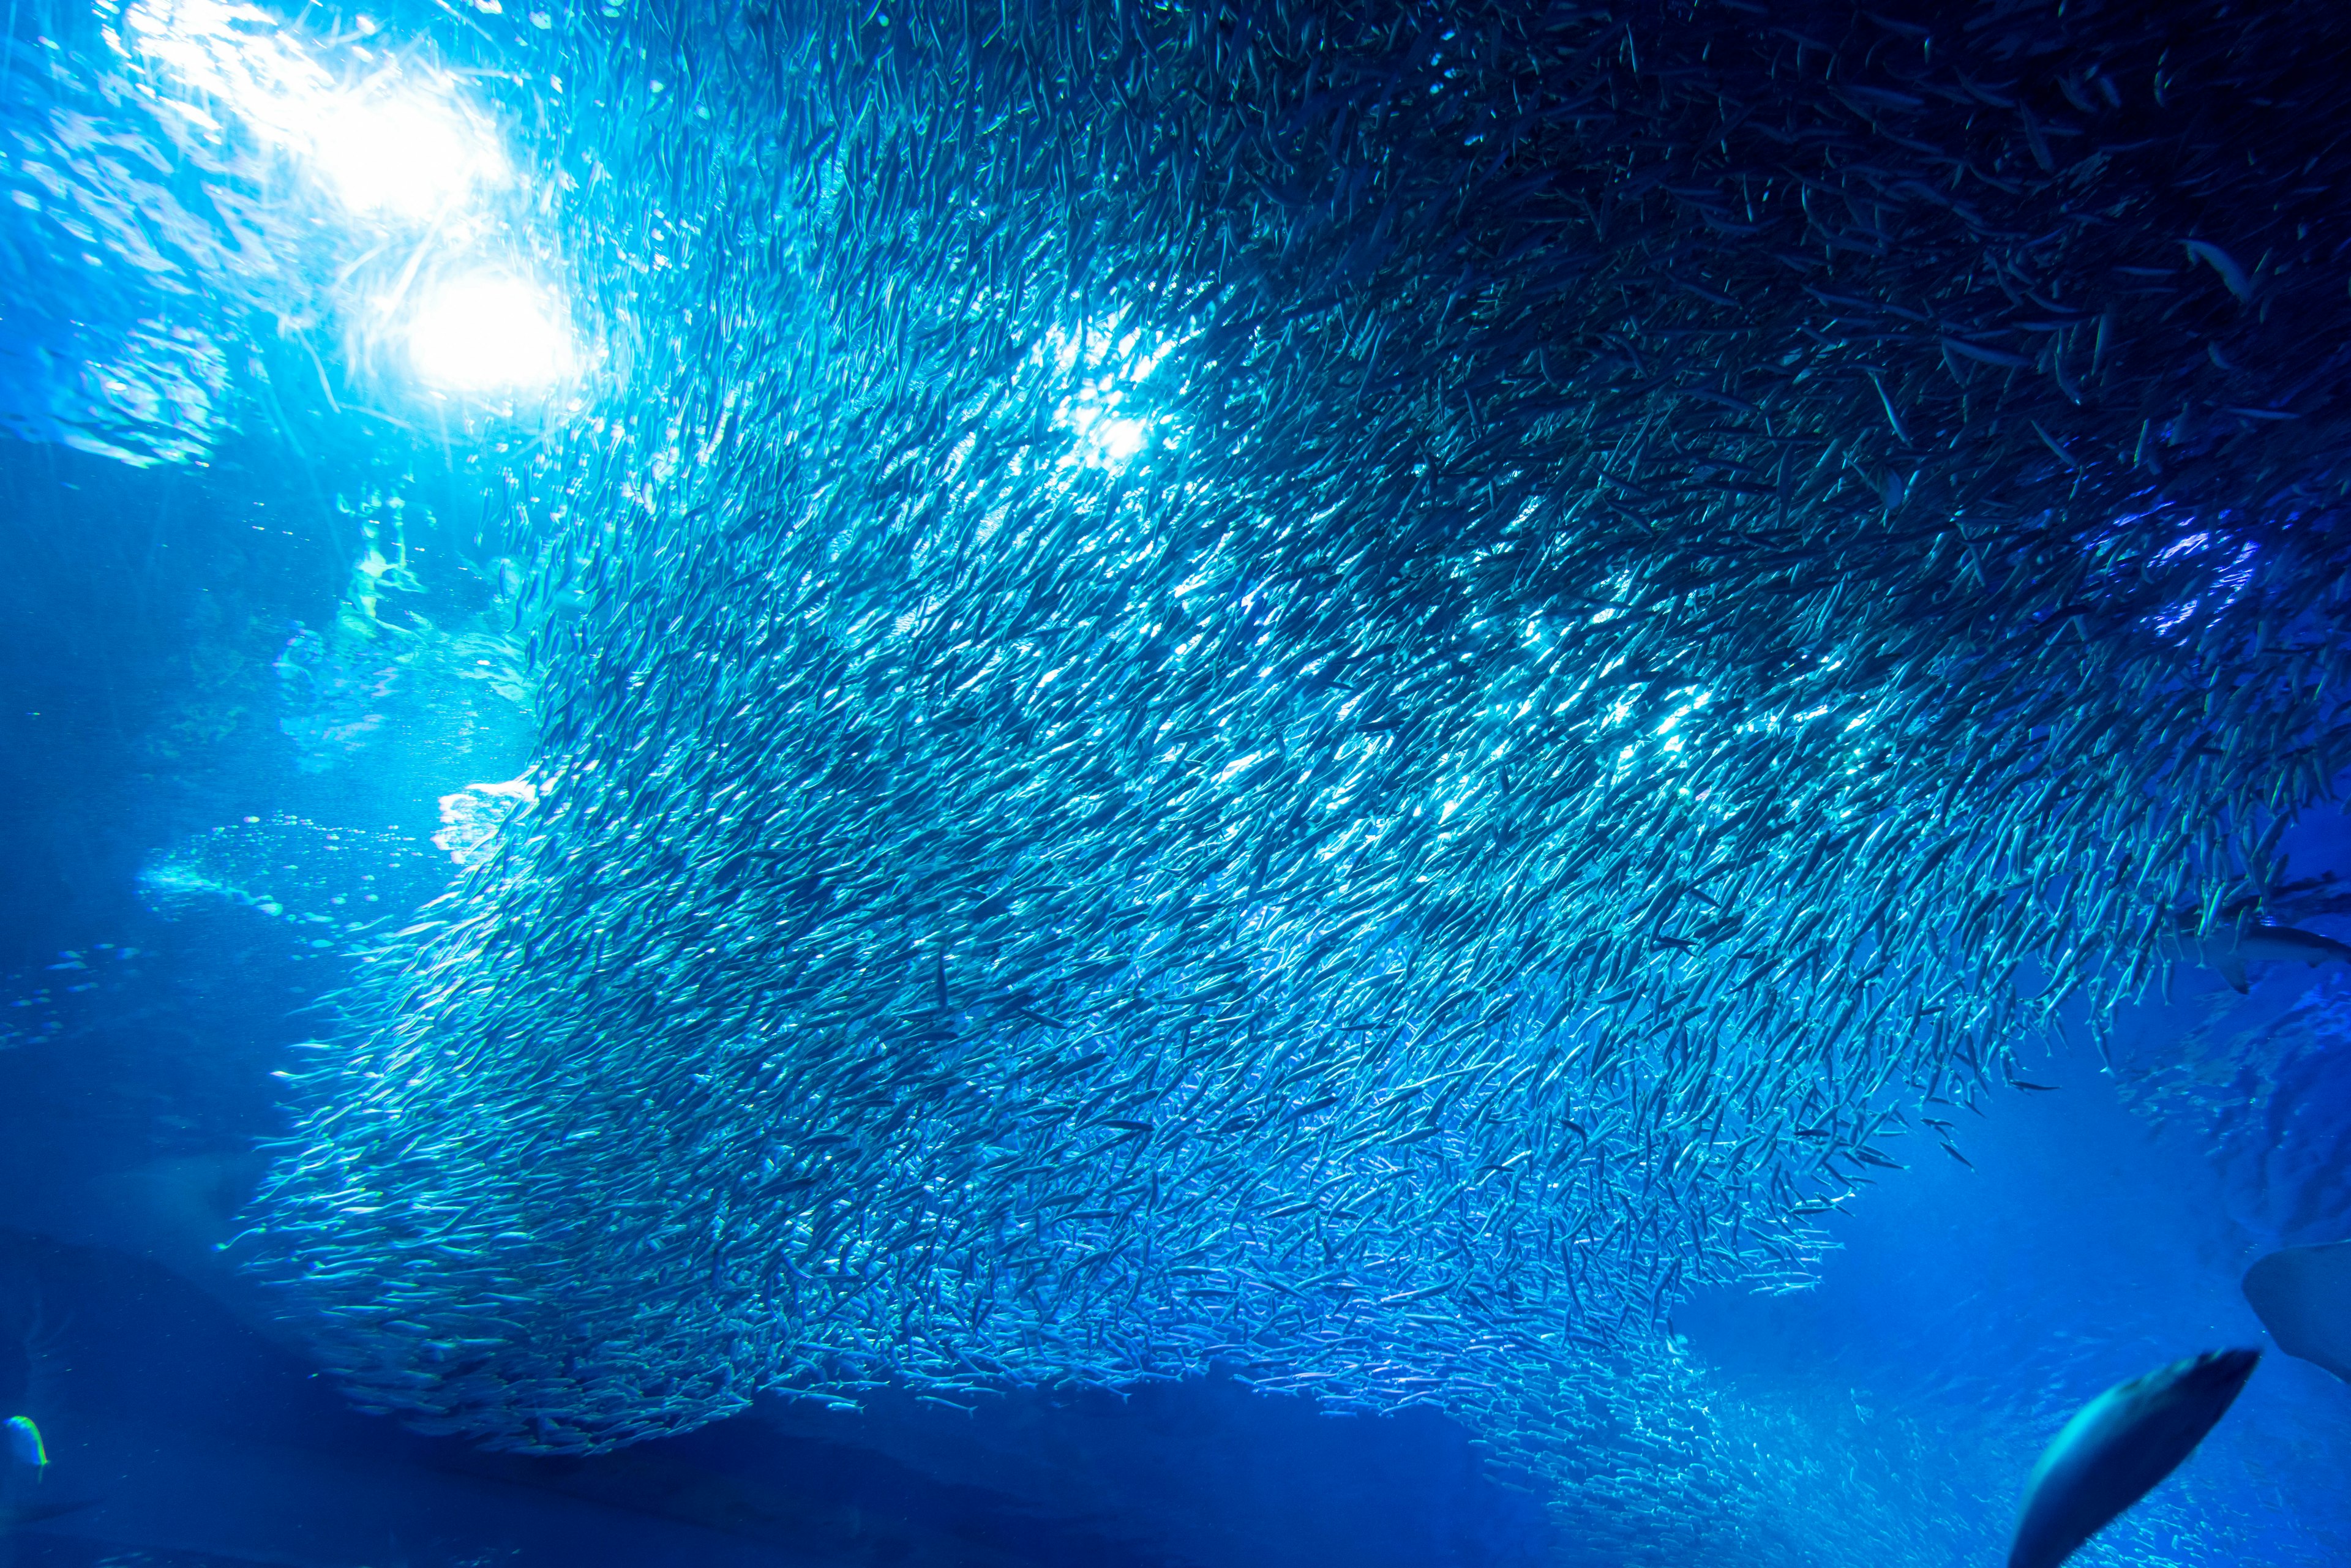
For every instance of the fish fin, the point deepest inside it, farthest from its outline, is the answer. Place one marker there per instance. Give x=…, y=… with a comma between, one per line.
x=2232, y=969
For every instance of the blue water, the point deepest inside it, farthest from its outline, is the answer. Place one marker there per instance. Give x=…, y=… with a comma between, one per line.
x=268, y=683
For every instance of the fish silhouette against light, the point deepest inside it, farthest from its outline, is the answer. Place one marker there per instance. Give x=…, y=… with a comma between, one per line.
x=2304, y=1297
x=2119, y=1445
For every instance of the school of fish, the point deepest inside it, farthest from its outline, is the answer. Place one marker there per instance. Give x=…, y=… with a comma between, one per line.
x=1345, y=692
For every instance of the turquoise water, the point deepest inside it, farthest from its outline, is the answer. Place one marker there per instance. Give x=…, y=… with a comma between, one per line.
x=1160, y=785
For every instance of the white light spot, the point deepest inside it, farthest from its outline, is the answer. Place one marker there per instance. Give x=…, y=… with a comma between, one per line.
x=397, y=143
x=1120, y=439
x=411, y=155
x=1106, y=410
x=487, y=332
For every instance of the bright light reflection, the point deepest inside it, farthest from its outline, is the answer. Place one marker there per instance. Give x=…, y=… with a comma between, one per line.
x=1109, y=443
x=489, y=331
x=1111, y=363
x=388, y=145
x=413, y=155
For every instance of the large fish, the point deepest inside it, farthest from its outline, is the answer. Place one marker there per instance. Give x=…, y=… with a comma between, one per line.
x=24, y=1515
x=2118, y=1446
x=2229, y=951
x=2304, y=1297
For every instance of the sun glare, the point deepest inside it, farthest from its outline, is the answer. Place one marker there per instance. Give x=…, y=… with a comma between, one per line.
x=489, y=331
x=394, y=143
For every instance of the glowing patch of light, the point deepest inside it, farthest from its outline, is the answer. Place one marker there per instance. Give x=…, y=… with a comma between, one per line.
x=389, y=144
x=2227, y=585
x=1237, y=764
x=2187, y=545
x=1120, y=439
x=410, y=155
x=1103, y=410
x=489, y=331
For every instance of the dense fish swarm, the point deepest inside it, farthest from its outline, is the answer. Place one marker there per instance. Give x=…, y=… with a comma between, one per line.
x=1347, y=691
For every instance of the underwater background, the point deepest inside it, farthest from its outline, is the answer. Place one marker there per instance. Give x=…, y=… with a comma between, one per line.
x=1161, y=784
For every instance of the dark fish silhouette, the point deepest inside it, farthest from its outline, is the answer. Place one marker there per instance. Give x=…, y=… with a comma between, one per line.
x=2304, y=1297
x=2229, y=951
x=17, y=1515
x=2118, y=1448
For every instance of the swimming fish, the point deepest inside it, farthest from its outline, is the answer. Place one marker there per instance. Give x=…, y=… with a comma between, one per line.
x=1597, y=658
x=2118, y=1448
x=2304, y=1297
x=2229, y=951
x=16, y=1515
x=24, y=1442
